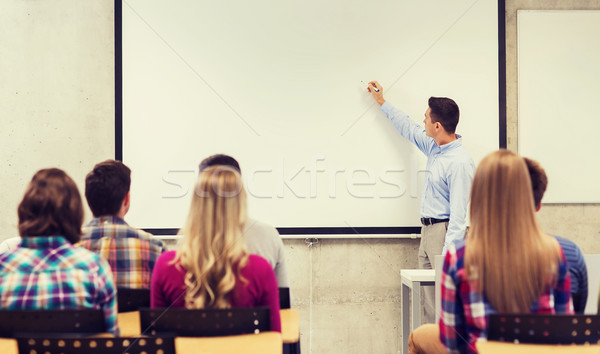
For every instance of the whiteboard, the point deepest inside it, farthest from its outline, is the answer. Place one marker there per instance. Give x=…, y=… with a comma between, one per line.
x=279, y=85
x=559, y=88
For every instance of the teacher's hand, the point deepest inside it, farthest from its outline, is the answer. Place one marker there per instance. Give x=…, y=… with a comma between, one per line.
x=376, y=91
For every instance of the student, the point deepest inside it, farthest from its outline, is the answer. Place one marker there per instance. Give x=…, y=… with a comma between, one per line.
x=130, y=252
x=211, y=267
x=573, y=255
x=46, y=271
x=260, y=238
x=447, y=184
x=506, y=264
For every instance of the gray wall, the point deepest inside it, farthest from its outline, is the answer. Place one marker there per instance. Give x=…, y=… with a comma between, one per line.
x=57, y=92
x=57, y=109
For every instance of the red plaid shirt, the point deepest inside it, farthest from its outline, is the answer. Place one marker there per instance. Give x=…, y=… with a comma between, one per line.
x=464, y=311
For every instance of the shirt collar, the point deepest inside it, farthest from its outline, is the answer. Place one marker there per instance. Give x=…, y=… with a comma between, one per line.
x=43, y=242
x=109, y=219
x=452, y=145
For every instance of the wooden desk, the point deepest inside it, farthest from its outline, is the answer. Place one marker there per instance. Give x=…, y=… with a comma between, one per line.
x=290, y=325
x=493, y=347
x=264, y=342
x=129, y=323
x=8, y=346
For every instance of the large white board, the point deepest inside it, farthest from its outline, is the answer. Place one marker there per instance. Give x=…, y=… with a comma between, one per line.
x=559, y=88
x=279, y=86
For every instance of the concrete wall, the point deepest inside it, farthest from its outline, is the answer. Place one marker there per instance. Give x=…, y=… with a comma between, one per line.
x=57, y=109
x=57, y=92
x=579, y=222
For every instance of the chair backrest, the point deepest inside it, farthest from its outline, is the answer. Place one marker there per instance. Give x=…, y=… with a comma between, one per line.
x=284, y=298
x=205, y=323
x=82, y=321
x=544, y=329
x=132, y=299
x=91, y=345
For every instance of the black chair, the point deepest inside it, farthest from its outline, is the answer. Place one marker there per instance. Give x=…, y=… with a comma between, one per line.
x=132, y=299
x=544, y=329
x=91, y=345
x=205, y=323
x=21, y=322
x=284, y=298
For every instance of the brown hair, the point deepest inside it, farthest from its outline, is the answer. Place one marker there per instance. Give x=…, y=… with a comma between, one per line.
x=539, y=180
x=444, y=111
x=51, y=206
x=106, y=186
x=506, y=252
x=219, y=159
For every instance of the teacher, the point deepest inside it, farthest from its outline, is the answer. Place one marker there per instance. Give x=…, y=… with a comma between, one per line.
x=450, y=171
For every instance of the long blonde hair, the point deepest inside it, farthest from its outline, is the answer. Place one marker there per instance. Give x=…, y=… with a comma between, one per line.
x=507, y=254
x=212, y=250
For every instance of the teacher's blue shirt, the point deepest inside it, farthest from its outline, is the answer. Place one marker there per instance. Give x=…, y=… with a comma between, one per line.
x=450, y=174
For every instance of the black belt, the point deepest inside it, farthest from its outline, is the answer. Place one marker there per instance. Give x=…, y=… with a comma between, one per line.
x=431, y=221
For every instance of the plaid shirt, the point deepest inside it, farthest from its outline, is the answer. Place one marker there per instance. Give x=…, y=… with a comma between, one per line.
x=464, y=312
x=48, y=272
x=130, y=252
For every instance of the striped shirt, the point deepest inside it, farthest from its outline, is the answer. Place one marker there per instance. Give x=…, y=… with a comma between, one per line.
x=48, y=272
x=464, y=311
x=130, y=252
x=578, y=271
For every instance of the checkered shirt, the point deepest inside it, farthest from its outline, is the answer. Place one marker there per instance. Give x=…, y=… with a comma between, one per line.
x=48, y=272
x=130, y=252
x=464, y=311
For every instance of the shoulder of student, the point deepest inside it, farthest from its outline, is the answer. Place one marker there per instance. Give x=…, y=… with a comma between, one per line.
x=255, y=227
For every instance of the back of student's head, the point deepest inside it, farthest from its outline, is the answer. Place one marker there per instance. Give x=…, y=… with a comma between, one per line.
x=219, y=160
x=106, y=186
x=51, y=206
x=445, y=111
x=212, y=251
x=505, y=249
x=539, y=180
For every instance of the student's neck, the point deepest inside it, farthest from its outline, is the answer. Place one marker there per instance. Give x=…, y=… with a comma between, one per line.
x=445, y=139
x=118, y=215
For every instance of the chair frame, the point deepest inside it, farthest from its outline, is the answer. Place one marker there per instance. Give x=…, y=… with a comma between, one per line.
x=132, y=299
x=205, y=322
x=78, y=322
x=92, y=345
x=544, y=329
x=284, y=298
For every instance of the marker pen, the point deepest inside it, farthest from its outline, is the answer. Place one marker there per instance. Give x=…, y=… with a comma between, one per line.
x=375, y=88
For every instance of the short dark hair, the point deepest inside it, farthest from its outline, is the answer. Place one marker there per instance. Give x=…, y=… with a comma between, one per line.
x=221, y=160
x=539, y=179
x=444, y=111
x=51, y=206
x=106, y=186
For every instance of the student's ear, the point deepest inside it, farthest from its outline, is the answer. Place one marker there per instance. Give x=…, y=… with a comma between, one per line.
x=125, y=203
x=126, y=199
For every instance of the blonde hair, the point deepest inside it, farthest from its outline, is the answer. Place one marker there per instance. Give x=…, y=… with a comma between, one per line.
x=506, y=252
x=212, y=251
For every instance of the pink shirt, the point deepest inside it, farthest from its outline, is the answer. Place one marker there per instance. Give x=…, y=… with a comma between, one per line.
x=261, y=289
